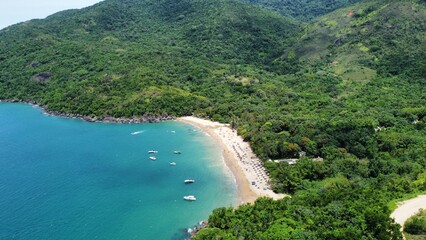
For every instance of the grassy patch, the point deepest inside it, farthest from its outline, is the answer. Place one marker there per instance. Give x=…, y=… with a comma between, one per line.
x=394, y=204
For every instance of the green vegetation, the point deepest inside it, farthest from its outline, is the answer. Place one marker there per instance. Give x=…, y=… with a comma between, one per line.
x=358, y=42
x=415, y=226
x=338, y=209
x=304, y=10
x=349, y=87
x=414, y=237
x=125, y=58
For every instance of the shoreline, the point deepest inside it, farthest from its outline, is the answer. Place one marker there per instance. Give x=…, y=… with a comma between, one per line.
x=106, y=119
x=251, y=178
x=239, y=158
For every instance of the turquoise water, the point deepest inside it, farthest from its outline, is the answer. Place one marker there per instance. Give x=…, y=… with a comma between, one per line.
x=69, y=179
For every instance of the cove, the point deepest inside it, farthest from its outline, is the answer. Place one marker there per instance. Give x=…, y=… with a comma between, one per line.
x=70, y=179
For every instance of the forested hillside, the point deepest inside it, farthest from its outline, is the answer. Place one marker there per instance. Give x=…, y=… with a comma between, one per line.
x=358, y=101
x=349, y=87
x=125, y=58
x=304, y=10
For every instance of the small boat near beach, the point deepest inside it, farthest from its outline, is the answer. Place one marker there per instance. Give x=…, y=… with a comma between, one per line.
x=177, y=152
x=152, y=158
x=189, y=181
x=173, y=164
x=190, y=198
x=152, y=151
x=136, y=133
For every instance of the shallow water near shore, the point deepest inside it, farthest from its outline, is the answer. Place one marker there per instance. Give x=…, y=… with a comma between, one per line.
x=69, y=179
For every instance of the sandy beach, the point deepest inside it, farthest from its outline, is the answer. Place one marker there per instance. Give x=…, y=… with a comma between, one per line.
x=250, y=175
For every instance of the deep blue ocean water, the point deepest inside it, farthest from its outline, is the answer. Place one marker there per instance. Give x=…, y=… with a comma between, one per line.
x=69, y=179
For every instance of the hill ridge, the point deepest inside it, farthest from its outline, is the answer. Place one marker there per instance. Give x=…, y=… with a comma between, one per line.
x=348, y=87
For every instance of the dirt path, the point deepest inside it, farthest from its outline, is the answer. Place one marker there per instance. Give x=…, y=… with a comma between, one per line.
x=408, y=208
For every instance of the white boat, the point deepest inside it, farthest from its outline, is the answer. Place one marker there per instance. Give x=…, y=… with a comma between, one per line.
x=189, y=181
x=152, y=158
x=136, y=133
x=152, y=151
x=177, y=152
x=173, y=163
x=190, y=198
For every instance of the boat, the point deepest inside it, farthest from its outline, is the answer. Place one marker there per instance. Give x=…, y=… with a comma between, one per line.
x=136, y=133
x=190, y=198
x=152, y=158
x=177, y=152
x=152, y=151
x=189, y=181
x=173, y=163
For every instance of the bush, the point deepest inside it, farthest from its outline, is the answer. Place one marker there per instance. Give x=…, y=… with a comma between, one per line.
x=416, y=224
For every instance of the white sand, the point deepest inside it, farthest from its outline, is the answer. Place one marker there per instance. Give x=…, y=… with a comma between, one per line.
x=244, y=164
x=408, y=208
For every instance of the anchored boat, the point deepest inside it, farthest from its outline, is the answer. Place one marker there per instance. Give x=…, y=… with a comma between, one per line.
x=190, y=198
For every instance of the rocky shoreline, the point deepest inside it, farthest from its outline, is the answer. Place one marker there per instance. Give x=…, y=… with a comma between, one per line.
x=106, y=119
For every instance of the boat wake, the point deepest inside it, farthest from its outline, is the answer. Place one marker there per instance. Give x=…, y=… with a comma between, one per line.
x=136, y=133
